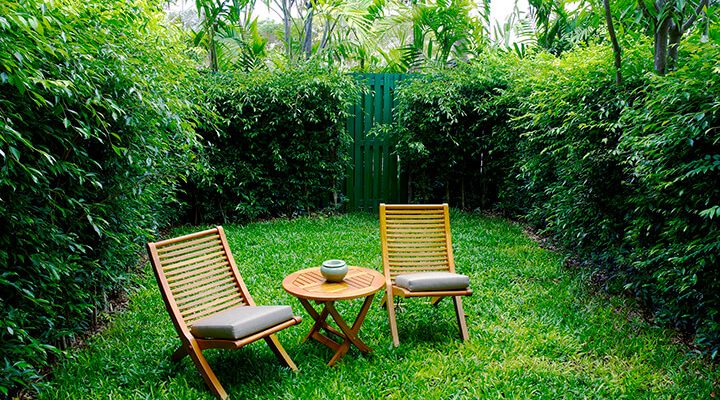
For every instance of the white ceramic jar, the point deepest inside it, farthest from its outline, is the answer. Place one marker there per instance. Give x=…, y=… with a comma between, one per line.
x=334, y=270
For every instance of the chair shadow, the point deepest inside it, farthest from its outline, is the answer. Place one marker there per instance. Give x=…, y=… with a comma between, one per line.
x=425, y=323
x=250, y=366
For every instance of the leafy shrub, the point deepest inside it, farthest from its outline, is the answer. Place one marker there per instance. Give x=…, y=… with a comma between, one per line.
x=277, y=147
x=567, y=114
x=672, y=148
x=625, y=178
x=449, y=134
x=94, y=134
x=628, y=177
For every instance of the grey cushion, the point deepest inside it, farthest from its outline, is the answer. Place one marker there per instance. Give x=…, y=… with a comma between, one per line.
x=429, y=281
x=238, y=322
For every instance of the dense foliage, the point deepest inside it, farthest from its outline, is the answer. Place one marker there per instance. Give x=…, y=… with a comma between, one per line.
x=451, y=136
x=627, y=178
x=278, y=145
x=567, y=112
x=672, y=148
x=94, y=134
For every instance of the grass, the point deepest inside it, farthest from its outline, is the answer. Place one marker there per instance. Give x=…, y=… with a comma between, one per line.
x=536, y=331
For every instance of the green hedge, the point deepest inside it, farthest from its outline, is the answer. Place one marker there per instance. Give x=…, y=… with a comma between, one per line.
x=672, y=147
x=451, y=135
x=627, y=179
x=95, y=131
x=278, y=145
x=567, y=114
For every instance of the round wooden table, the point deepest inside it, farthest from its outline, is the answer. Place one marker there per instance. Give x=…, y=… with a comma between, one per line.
x=309, y=285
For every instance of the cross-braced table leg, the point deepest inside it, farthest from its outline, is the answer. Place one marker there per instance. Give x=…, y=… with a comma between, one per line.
x=320, y=323
x=347, y=333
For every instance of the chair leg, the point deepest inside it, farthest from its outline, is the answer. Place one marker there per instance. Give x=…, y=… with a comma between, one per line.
x=207, y=373
x=179, y=353
x=435, y=300
x=391, y=316
x=460, y=314
x=280, y=352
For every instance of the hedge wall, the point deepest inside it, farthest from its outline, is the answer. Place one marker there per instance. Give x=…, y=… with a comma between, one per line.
x=452, y=136
x=95, y=130
x=671, y=148
x=626, y=178
x=278, y=145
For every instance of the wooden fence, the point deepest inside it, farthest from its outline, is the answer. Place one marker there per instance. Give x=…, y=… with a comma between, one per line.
x=374, y=175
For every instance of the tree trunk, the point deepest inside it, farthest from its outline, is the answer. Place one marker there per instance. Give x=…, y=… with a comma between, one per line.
x=212, y=48
x=286, y=23
x=326, y=32
x=661, y=45
x=674, y=34
x=307, y=45
x=615, y=46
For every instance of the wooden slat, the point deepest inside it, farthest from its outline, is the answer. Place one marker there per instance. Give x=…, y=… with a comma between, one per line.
x=415, y=221
x=183, y=239
x=415, y=218
x=210, y=235
x=424, y=241
x=417, y=263
x=211, y=302
x=197, y=283
x=409, y=209
x=420, y=236
x=199, y=295
x=413, y=247
x=417, y=257
x=189, y=267
x=184, y=261
x=211, y=265
x=200, y=291
x=411, y=231
x=405, y=270
x=208, y=300
x=194, y=248
x=434, y=227
x=178, y=285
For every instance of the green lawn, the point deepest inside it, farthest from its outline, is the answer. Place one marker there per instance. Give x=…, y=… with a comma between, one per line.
x=536, y=331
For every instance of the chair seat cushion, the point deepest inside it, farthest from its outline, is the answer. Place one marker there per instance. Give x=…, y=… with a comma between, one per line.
x=239, y=322
x=430, y=281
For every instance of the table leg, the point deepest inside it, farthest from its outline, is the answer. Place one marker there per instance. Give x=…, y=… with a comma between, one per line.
x=347, y=333
x=351, y=334
x=319, y=319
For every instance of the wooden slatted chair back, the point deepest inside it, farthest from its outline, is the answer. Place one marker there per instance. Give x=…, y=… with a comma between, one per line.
x=198, y=276
x=415, y=238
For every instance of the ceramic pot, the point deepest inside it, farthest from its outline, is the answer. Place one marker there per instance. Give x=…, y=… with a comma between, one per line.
x=334, y=270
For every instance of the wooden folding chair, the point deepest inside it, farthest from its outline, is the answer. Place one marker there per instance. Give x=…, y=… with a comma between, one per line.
x=418, y=259
x=209, y=303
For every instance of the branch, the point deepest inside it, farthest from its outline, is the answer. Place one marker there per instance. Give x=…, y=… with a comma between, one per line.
x=615, y=45
x=323, y=42
x=693, y=17
x=643, y=8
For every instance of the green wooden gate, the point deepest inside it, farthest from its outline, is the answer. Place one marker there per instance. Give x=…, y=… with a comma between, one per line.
x=374, y=176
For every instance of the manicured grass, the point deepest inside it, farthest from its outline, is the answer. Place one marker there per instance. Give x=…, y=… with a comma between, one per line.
x=536, y=331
